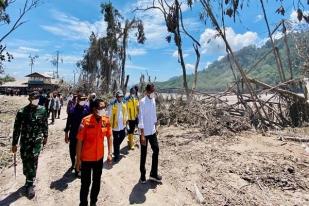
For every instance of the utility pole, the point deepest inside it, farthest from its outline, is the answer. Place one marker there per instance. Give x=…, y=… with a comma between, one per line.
x=55, y=62
x=32, y=60
x=74, y=73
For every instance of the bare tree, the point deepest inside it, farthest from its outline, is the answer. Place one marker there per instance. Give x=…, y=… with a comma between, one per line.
x=5, y=20
x=172, y=14
x=129, y=25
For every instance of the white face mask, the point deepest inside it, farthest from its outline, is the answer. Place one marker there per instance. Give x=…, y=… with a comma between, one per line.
x=101, y=112
x=82, y=103
x=152, y=95
x=35, y=102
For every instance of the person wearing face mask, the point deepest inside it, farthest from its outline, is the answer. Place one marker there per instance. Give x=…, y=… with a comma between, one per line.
x=132, y=105
x=148, y=133
x=31, y=130
x=53, y=107
x=118, y=121
x=93, y=96
x=90, y=150
x=71, y=103
x=77, y=113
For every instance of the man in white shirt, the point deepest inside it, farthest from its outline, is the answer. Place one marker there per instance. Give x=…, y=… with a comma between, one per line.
x=147, y=125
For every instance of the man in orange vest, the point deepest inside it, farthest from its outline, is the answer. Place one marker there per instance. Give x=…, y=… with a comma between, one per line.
x=90, y=150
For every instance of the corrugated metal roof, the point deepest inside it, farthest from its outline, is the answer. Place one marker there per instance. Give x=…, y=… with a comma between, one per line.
x=38, y=74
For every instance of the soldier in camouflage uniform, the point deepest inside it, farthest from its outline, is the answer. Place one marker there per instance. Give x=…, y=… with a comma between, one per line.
x=31, y=125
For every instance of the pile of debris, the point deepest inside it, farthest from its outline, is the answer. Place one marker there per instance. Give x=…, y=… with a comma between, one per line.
x=211, y=115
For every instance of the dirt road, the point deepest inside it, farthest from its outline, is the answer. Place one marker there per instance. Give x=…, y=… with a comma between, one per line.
x=56, y=186
x=246, y=169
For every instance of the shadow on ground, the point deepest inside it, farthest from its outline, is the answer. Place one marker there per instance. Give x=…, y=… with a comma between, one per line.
x=13, y=196
x=138, y=194
x=62, y=183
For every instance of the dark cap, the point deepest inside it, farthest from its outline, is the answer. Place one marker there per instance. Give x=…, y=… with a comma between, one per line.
x=132, y=91
x=34, y=95
x=81, y=97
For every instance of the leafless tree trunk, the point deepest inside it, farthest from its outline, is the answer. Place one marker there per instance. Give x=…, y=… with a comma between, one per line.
x=275, y=50
x=172, y=14
x=208, y=9
x=198, y=56
x=124, y=56
x=288, y=53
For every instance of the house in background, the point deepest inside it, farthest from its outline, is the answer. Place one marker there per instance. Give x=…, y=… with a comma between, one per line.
x=36, y=81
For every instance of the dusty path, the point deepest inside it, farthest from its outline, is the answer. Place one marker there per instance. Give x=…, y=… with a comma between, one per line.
x=246, y=169
x=55, y=186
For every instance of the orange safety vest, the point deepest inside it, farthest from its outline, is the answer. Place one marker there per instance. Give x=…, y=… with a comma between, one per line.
x=92, y=134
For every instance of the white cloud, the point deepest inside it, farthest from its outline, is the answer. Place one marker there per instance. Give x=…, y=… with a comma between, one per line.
x=207, y=64
x=294, y=19
x=292, y=25
x=220, y=57
x=154, y=24
x=136, y=67
x=23, y=52
x=137, y=52
x=73, y=28
x=258, y=18
x=190, y=66
x=70, y=59
x=212, y=44
x=28, y=49
x=175, y=54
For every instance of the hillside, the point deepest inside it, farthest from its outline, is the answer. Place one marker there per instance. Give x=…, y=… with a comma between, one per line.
x=218, y=75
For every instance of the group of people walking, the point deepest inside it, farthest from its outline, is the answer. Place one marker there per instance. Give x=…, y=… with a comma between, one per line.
x=91, y=120
x=53, y=102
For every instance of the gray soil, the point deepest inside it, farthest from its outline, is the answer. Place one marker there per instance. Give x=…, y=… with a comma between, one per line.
x=247, y=169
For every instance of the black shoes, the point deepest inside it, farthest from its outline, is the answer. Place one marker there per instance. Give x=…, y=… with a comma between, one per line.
x=30, y=192
x=156, y=178
x=142, y=180
x=116, y=159
x=77, y=174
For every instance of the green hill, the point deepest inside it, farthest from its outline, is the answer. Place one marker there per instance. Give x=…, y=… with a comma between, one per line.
x=218, y=75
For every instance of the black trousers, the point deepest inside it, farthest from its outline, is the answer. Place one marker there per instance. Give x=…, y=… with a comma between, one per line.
x=118, y=137
x=155, y=155
x=72, y=146
x=59, y=112
x=86, y=168
x=53, y=113
x=132, y=125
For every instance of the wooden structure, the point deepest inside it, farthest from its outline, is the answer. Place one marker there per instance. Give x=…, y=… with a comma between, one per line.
x=38, y=81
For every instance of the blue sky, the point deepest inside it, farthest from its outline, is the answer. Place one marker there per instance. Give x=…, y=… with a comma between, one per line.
x=65, y=25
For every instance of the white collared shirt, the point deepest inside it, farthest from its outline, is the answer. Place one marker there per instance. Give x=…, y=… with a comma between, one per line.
x=147, y=115
x=119, y=118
